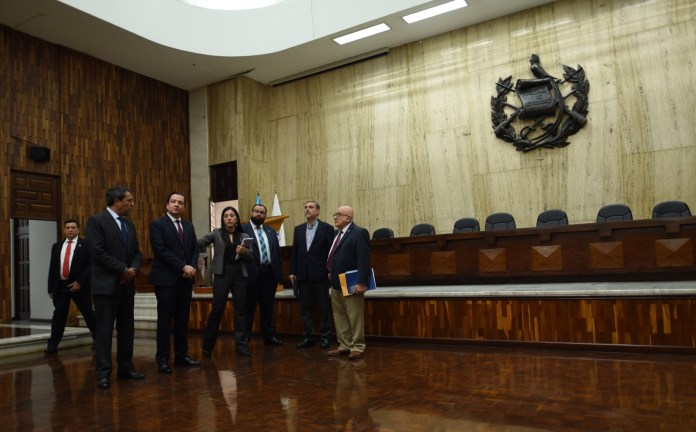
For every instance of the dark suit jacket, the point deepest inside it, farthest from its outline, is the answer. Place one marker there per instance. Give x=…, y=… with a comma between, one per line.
x=79, y=266
x=310, y=265
x=170, y=255
x=352, y=253
x=273, y=250
x=110, y=256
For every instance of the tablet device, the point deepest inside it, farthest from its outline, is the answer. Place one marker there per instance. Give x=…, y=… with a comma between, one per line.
x=247, y=242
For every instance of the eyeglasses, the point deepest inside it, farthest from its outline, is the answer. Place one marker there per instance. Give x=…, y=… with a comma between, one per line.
x=335, y=215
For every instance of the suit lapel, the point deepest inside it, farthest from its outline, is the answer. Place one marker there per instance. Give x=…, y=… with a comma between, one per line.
x=115, y=226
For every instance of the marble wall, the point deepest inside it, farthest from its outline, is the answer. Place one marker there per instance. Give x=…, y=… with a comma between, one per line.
x=407, y=137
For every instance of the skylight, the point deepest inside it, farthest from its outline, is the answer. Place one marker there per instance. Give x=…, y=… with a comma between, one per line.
x=232, y=4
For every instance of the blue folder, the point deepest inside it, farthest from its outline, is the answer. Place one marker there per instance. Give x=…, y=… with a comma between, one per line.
x=349, y=280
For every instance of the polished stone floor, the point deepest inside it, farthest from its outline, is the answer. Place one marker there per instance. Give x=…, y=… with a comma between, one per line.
x=395, y=387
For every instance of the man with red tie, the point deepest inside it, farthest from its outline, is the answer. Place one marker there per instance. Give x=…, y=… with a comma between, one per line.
x=68, y=279
x=350, y=251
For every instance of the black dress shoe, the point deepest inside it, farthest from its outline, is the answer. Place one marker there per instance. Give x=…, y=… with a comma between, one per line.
x=186, y=361
x=103, y=383
x=324, y=343
x=164, y=368
x=305, y=343
x=50, y=350
x=243, y=351
x=130, y=375
x=207, y=353
x=273, y=341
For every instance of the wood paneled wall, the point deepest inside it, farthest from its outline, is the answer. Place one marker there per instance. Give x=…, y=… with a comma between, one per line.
x=104, y=126
x=407, y=138
x=646, y=323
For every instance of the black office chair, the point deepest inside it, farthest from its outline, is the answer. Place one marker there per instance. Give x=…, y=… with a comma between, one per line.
x=549, y=218
x=382, y=233
x=466, y=225
x=614, y=213
x=500, y=221
x=423, y=229
x=670, y=209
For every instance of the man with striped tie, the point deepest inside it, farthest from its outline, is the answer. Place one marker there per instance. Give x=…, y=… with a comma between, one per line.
x=265, y=275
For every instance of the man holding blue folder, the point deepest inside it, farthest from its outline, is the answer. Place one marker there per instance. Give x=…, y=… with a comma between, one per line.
x=350, y=251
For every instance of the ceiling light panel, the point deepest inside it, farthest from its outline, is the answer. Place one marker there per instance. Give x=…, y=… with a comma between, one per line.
x=361, y=34
x=434, y=11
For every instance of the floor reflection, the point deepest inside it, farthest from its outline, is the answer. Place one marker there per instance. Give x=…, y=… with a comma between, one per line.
x=393, y=388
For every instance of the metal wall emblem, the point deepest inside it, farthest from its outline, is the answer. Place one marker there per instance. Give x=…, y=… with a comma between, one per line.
x=546, y=119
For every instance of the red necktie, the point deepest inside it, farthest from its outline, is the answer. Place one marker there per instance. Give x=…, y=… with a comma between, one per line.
x=66, y=261
x=329, y=260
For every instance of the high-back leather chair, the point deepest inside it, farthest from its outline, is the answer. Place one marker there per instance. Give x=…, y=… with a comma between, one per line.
x=670, y=209
x=466, y=225
x=549, y=218
x=382, y=233
x=500, y=221
x=614, y=213
x=422, y=230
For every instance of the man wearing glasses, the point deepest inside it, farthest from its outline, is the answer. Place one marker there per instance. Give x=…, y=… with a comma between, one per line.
x=350, y=251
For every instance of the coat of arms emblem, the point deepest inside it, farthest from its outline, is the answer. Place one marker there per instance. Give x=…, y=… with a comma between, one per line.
x=548, y=121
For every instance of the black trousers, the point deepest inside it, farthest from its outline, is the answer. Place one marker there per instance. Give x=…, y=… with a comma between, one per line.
x=315, y=295
x=232, y=280
x=61, y=308
x=173, y=304
x=107, y=310
x=262, y=291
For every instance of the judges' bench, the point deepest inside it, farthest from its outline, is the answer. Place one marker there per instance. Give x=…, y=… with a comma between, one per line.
x=620, y=286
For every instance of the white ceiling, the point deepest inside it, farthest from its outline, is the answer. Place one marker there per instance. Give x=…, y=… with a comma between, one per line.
x=56, y=22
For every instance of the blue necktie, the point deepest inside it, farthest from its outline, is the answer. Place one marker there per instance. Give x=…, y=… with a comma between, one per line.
x=124, y=230
x=264, y=249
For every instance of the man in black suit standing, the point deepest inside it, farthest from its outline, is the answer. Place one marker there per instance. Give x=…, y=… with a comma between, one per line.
x=115, y=262
x=68, y=279
x=350, y=251
x=175, y=246
x=308, y=274
x=264, y=273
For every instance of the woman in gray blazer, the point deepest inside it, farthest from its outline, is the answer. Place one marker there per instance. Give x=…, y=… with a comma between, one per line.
x=230, y=274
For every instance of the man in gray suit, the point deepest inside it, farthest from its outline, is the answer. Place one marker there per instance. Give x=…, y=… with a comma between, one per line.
x=116, y=260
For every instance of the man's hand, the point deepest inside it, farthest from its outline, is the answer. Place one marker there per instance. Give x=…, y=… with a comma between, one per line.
x=74, y=287
x=360, y=288
x=189, y=272
x=129, y=274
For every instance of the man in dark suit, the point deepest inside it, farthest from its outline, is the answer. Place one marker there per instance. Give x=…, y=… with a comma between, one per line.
x=265, y=273
x=175, y=246
x=115, y=263
x=68, y=279
x=350, y=251
x=308, y=273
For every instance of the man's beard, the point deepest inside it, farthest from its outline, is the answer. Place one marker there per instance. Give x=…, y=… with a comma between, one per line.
x=257, y=220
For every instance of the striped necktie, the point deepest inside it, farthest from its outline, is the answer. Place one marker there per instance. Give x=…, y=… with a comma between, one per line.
x=264, y=250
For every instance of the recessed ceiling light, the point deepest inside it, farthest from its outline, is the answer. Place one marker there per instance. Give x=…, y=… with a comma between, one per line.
x=366, y=32
x=231, y=4
x=433, y=11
